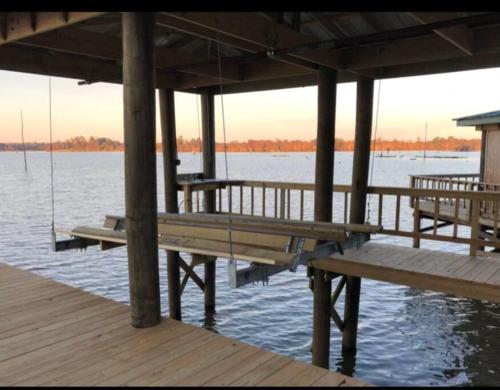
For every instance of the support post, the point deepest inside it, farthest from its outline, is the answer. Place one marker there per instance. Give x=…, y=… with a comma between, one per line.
x=360, y=173
x=323, y=197
x=484, y=136
x=169, y=135
x=140, y=168
x=208, y=135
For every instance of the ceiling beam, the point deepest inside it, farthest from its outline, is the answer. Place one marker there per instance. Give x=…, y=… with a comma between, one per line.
x=19, y=25
x=459, y=36
x=249, y=32
x=370, y=19
x=329, y=25
x=97, y=45
x=463, y=63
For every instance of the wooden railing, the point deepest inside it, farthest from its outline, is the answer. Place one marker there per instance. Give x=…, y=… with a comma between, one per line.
x=452, y=182
x=384, y=207
x=458, y=182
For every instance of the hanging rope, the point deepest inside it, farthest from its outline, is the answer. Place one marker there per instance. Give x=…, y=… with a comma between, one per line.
x=374, y=147
x=231, y=258
x=53, y=231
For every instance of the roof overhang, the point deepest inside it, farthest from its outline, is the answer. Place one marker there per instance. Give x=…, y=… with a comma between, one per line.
x=259, y=51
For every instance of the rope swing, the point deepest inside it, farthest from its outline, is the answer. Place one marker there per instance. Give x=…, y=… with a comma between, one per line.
x=373, y=150
x=231, y=257
x=53, y=230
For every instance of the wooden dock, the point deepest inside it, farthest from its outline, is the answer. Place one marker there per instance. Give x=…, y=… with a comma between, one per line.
x=462, y=275
x=54, y=334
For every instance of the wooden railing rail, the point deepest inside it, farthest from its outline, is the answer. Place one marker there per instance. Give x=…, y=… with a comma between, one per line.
x=288, y=200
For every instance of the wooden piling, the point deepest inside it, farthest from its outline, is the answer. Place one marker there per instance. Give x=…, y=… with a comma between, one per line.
x=168, y=131
x=208, y=135
x=482, y=158
x=140, y=167
x=323, y=196
x=360, y=173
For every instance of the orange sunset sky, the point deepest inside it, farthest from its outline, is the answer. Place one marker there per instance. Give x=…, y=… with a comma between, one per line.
x=405, y=105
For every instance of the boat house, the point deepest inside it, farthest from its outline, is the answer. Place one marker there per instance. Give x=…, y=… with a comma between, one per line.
x=262, y=223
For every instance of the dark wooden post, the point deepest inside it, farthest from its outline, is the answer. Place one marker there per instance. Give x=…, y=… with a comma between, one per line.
x=360, y=172
x=168, y=132
x=140, y=167
x=208, y=135
x=484, y=135
x=323, y=197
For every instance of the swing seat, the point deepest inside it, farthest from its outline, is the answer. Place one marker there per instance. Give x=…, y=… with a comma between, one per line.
x=259, y=240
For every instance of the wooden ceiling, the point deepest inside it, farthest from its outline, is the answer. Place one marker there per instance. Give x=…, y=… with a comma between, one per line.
x=258, y=51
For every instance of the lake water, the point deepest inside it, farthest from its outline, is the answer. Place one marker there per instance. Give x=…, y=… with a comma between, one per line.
x=406, y=336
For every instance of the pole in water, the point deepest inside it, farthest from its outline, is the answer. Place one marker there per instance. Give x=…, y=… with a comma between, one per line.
x=24, y=147
x=425, y=139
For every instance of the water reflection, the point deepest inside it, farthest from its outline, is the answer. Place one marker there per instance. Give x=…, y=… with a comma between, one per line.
x=481, y=328
x=210, y=320
x=347, y=364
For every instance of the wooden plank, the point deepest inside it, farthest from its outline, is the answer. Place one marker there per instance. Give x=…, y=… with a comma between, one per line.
x=20, y=25
x=282, y=375
x=36, y=341
x=225, y=250
x=114, y=364
x=305, y=378
x=88, y=341
x=225, y=365
x=264, y=370
x=445, y=280
x=195, y=361
x=275, y=241
x=63, y=358
x=149, y=367
x=30, y=369
x=16, y=324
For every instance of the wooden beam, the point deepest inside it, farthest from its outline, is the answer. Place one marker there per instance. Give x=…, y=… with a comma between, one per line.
x=325, y=145
x=140, y=168
x=459, y=36
x=361, y=157
x=209, y=155
x=329, y=25
x=296, y=21
x=78, y=41
x=370, y=19
x=482, y=157
x=19, y=25
x=246, y=31
x=323, y=196
x=168, y=131
x=360, y=173
x=31, y=60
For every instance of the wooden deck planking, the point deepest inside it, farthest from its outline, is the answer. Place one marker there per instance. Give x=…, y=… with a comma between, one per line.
x=462, y=275
x=53, y=334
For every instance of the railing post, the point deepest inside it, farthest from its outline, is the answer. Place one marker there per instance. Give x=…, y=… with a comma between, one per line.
x=188, y=199
x=282, y=203
x=416, y=222
x=474, y=226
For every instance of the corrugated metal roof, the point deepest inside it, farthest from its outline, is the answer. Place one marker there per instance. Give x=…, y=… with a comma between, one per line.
x=479, y=119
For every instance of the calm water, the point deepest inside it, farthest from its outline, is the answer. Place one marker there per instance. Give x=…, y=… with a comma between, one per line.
x=406, y=336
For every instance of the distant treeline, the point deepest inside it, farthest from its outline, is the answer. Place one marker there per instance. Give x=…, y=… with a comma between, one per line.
x=93, y=144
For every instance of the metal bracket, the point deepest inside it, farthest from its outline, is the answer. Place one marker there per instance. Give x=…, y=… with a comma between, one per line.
x=72, y=243
x=261, y=272
x=298, y=253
